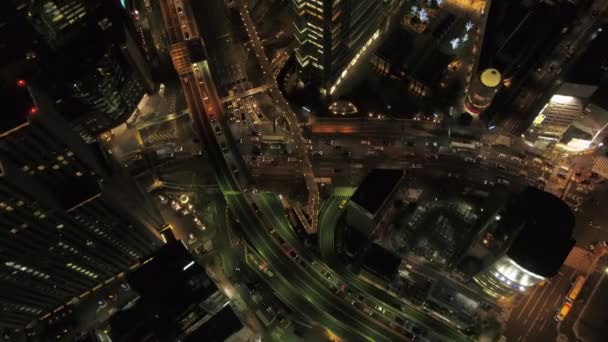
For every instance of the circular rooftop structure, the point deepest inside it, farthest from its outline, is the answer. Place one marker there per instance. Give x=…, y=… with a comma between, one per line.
x=490, y=78
x=343, y=108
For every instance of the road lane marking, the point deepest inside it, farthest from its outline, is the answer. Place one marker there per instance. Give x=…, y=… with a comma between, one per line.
x=530, y=296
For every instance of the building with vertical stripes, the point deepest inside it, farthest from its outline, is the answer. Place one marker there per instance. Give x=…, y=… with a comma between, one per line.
x=71, y=218
x=332, y=35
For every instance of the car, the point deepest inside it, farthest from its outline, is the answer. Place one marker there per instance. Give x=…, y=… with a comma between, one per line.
x=327, y=275
x=218, y=130
x=234, y=169
x=347, y=154
x=343, y=204
x=418, y=331
x=329, y=142
x=224, y=147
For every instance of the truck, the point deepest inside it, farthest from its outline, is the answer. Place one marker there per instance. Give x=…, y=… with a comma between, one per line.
x=576, y=288
x=563, y=311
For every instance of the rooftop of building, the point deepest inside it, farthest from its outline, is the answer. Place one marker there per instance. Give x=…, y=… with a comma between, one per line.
x=600, y=96
x=17, y=104
x=380, y=261
x=376, y=187
x=490, y=77
x=516, y=33
x=591, y=67
x=417, y=56
x=167, y=278
x=218, y=328
x=545, y=237
x=171, y=286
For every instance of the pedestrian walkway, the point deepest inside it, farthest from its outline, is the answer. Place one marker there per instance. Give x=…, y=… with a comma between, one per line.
x=580, y=259
x=344, y=191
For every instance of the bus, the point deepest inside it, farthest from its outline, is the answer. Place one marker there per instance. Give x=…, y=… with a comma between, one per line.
x=576, y=288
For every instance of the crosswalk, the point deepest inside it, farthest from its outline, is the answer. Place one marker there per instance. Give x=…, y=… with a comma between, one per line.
x=580, y=259
x=159, y=138
x=239, y=304
x=505, y=313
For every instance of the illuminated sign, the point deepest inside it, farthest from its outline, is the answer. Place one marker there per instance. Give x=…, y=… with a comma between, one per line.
x=539, y=119
x=562, y=99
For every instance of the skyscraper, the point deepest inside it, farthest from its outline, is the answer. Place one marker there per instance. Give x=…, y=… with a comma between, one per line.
x=482, y=91
x=529, y=253
x=516, y=41
x=84, y=52
x=332, y=35
x=71, y=217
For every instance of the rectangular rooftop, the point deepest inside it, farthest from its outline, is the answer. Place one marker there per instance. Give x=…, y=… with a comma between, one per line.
x=376, y=188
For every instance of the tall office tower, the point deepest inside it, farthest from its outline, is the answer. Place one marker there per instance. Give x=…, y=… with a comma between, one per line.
x=332, y=35
x=482, y=91
x=516, y=39
x=85, y=53
x=537, y=227
x=71, y=217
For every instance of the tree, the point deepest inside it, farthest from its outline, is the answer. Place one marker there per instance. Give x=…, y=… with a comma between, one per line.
x=465, y=119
